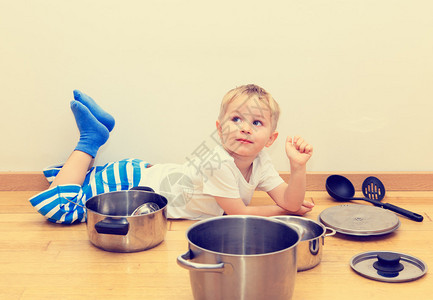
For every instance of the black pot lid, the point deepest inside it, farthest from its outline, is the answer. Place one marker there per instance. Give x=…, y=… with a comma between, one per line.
x=388, y=266
x=359, y=220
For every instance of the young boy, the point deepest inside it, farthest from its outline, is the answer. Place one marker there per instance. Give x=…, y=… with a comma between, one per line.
x=222, y=181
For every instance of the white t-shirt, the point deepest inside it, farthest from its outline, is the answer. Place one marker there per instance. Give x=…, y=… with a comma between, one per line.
x=190, y=188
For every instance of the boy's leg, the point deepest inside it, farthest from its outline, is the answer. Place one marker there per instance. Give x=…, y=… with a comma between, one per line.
x=93, y=135
x=74, y=170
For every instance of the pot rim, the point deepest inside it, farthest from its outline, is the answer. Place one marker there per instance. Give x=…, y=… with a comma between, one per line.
x=242, y=217
x=126, y=192
x=325, y=229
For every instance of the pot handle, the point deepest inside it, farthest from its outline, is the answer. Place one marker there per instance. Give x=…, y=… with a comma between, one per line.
x=142, y=188
x=332, y=231
x=116, y=226
x=183, y=261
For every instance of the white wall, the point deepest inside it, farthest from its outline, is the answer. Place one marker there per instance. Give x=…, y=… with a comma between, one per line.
x=355, y=78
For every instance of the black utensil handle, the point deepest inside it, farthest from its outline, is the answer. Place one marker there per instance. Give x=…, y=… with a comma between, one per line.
x=404, y=212
x=372, y=201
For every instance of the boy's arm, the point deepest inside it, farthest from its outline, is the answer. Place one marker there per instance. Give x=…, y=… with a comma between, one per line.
x=285, y=198
x=290, y=195
x=235, y=206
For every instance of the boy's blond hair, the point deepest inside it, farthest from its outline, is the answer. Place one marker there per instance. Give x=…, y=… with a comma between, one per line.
x=251, y=90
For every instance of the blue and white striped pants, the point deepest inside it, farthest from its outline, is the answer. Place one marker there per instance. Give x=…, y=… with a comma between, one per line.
x=57, y=204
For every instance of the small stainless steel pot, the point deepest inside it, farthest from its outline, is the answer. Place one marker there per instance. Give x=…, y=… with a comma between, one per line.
x=310, y=247
x=111, y=226
x=241, y=257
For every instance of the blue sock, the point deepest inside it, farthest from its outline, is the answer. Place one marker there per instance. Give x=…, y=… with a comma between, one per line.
x=102, y=116
x=93, y=134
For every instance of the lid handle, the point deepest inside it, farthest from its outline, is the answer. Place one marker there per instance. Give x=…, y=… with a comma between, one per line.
x=388, y=264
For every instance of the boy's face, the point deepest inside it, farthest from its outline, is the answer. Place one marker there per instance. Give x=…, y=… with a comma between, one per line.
x=246, y=128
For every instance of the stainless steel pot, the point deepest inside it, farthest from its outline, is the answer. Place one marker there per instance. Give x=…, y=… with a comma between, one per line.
x=310, y=248
x=111, y=226
x=241, y=257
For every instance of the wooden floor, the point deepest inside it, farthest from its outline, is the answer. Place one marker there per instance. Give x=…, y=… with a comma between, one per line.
x=40, y=260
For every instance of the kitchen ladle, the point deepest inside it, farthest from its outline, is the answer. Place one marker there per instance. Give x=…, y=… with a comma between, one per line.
x=145, y=208
x=340, y=188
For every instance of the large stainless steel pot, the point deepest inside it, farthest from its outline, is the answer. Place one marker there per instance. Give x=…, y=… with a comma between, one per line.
x=310, y=248
x=111, y=227
x=241, y=257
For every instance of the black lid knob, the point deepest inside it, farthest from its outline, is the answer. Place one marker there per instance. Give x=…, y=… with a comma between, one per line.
x=388, y=264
